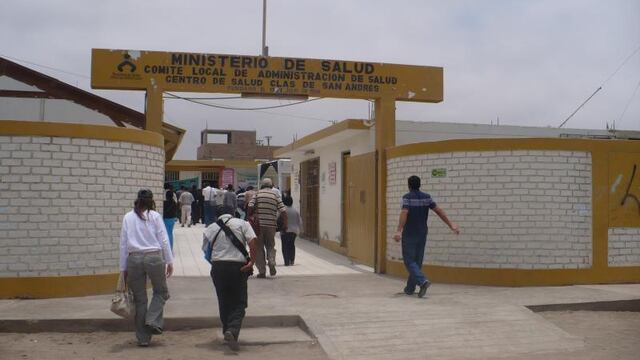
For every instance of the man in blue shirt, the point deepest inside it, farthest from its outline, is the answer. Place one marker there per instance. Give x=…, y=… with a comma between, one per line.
x=412, y=229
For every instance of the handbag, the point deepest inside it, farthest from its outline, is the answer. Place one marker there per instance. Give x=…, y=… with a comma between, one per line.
x=122, y=303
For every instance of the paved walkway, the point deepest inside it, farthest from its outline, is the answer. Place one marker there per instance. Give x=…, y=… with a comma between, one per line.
x=357, y=314
x=189, y=260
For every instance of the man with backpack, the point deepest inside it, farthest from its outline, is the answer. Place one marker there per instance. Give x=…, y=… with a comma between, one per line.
x=224, y=245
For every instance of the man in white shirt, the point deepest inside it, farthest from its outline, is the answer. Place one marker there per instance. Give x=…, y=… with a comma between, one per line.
x=230, y=270
x=209, y=194
x=186, y=199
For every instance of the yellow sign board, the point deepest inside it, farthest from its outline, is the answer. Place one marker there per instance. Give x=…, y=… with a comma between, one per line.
x=624, y=190
x=218, y=73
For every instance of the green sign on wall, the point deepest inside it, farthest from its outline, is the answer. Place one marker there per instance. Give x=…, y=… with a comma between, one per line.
x=439, y=173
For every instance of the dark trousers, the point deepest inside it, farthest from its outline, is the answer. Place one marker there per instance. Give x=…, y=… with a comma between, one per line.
x=210, y=215
x=231, y=289
x=288, y=247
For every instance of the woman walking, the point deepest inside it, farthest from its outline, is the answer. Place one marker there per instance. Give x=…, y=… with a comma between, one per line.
x=145, y=253
x=169, y=214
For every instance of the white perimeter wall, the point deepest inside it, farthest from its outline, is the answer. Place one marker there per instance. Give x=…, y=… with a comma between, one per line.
x=62, y=201
x=516, y=209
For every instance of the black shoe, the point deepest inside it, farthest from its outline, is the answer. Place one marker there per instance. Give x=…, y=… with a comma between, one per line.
x=272, y=270
x=261, y=276
x=423, y=288
x=231, y=341
x=156, y=330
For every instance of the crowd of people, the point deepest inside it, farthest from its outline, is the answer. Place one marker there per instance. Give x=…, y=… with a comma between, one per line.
x=146, y=245
x=234, y=220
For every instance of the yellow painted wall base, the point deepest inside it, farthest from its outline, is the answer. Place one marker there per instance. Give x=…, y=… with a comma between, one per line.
x=333, y=246
x=521, y=277
x=57, y=286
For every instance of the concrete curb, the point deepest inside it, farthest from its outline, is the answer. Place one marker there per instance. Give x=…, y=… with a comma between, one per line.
x=171, y=324
x=617, y=305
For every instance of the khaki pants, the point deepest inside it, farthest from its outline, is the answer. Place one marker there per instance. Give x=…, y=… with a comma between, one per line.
x=266, y=239
x=185, y=217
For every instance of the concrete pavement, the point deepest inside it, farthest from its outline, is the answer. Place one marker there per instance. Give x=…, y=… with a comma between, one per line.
x=356, y=314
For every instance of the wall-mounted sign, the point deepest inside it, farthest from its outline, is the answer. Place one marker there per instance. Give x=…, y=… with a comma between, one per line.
x=228, y=177
x=332, y=173
x=219, y=73
x=439, y=173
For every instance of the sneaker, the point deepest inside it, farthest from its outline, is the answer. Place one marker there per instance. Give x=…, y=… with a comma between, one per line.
x=156, y=330
x=143, y=343
x=231, y=341
x=423, y=288
x=261, y=276
x=409, y=292
x=272, y=270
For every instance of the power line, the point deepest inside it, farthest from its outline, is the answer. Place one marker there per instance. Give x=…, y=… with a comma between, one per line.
x=218, y=106
x=626, y=107
x=46, y=67
x=171, y=96
x=633, y=53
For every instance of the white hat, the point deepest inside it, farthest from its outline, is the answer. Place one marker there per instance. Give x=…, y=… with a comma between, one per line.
x=266, y=182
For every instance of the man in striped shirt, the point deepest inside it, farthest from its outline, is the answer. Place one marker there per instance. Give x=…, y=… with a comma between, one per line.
x=268, y=206
x=412, y=229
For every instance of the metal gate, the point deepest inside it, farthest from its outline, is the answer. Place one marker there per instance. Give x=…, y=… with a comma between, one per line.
x=361, y=208
x=309, y=198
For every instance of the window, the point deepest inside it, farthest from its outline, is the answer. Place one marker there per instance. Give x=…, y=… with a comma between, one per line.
x=171, y=176
x=210, y=176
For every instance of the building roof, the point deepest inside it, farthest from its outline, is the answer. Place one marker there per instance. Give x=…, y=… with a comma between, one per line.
x=336, y=132
x=53, y=88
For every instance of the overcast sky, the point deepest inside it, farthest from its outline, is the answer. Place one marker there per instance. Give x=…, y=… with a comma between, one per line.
x=527, y=62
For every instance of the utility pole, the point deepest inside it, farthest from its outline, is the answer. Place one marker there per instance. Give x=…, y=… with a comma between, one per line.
x=268, y=137
x=265, y=49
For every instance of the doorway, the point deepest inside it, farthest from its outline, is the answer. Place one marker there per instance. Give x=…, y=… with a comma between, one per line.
x=361, y=203
x=310, y=198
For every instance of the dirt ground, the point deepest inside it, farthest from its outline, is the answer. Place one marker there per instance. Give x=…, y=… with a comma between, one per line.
x=607, y=335
x=177, y=345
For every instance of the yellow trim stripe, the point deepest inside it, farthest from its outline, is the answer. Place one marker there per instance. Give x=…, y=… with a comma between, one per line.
x=520, y=277
x=57, y=286
x=514, y=144
x=100, y=132
x=349, y=124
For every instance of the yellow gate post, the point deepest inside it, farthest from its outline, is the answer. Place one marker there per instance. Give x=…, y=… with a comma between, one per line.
x=153, y=110
x=385, y=111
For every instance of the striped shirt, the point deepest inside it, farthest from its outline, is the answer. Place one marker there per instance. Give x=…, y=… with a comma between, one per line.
x=269, y=207
x=418, y=204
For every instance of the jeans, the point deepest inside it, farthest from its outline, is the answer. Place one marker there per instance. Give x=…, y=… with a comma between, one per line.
x=169, y=223
x=413, y=246
x=231, y=290
x=139, y=268
x=209, y=213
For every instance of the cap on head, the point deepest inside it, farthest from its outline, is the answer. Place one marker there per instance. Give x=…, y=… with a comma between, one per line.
x=266, y=182
x=145, y=194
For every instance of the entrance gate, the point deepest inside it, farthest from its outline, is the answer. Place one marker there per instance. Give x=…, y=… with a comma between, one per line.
x=361, y=210
x=157, y=72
